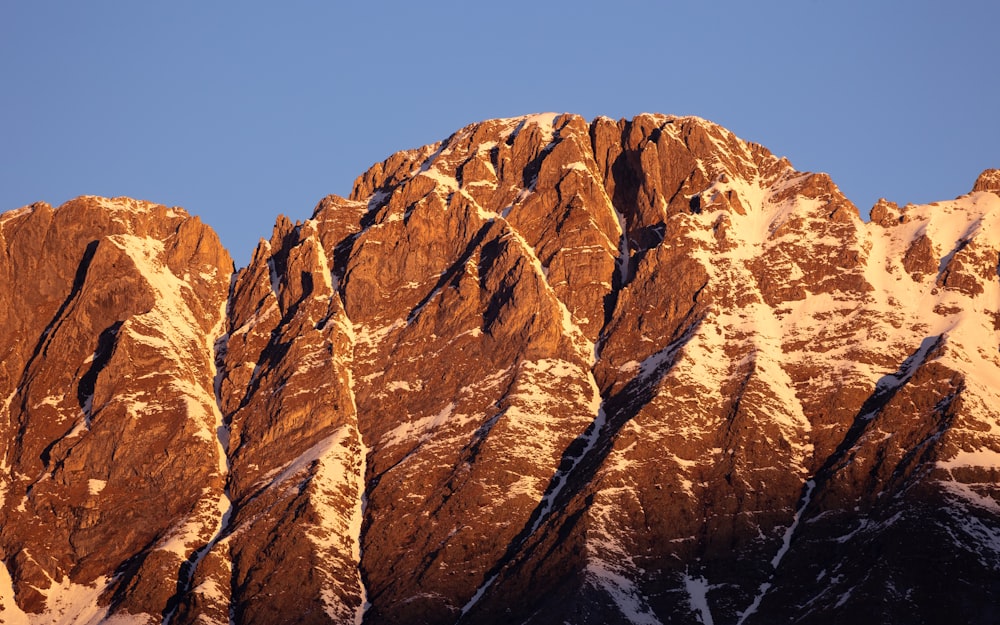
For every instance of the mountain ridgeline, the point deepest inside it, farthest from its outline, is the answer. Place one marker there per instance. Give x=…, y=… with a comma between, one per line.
x=630, y=372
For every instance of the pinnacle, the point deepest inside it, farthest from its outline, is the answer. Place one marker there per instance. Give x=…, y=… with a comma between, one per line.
x=989, y=180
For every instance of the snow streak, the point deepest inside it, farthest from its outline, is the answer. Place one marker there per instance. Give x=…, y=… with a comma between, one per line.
x=697, y=589
x=786, y=542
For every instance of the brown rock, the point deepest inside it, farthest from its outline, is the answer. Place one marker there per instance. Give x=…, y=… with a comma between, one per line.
x=989, y=180
x=886, y=213
x=109, y=404
x=921, y=258
x=541, y=371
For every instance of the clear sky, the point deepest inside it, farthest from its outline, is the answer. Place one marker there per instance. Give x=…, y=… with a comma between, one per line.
x=241, y=111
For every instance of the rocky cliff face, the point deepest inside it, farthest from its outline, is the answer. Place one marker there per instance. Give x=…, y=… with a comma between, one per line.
x=543, y=371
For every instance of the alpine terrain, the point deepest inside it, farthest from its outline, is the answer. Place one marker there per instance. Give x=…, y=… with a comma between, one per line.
x=630, y=372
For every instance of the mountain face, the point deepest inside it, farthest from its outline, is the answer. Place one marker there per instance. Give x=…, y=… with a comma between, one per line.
x=544, y=371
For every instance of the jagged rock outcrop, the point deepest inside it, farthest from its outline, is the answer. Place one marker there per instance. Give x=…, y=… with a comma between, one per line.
x=546, y=370
x=989, y=180
x=112, y=471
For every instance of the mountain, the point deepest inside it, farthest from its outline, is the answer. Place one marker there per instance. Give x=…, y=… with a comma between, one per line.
x=544, y=371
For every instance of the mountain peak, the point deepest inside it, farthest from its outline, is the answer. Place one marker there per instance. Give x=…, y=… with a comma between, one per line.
x=544, y=370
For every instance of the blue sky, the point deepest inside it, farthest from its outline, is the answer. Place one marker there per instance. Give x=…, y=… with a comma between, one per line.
x=241, y=111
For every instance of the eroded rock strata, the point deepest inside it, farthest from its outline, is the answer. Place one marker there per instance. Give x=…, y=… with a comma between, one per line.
x=543, y=371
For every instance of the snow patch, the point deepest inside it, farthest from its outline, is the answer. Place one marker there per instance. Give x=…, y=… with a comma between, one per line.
x=357, y=521
x=544, y=122
x=66, y=603
x=11, y=214
x=624, y=249
x=307, y=458
x=340, y=467
x=623, y=592
x=697, y=589
x=12, y=613
x=476, y=596
x=275, y=279
x=786, y=540
x=419, y=430
x=982, y=457
x=592, y=435
x=756, y=602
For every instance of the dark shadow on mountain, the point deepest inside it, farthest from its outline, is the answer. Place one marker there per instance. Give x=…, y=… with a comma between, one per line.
x=452, y=272
x=625, y=171
x=78, y=280
x=102, y=354
x=885, y=389
x=45, y=339
x=576, y=471
x=85, y=387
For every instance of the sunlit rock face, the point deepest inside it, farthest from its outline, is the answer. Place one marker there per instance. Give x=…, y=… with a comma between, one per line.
x=112, y=472
x=546, y=370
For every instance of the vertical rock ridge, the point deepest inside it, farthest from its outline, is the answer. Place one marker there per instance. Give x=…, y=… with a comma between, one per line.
x=121, y=284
